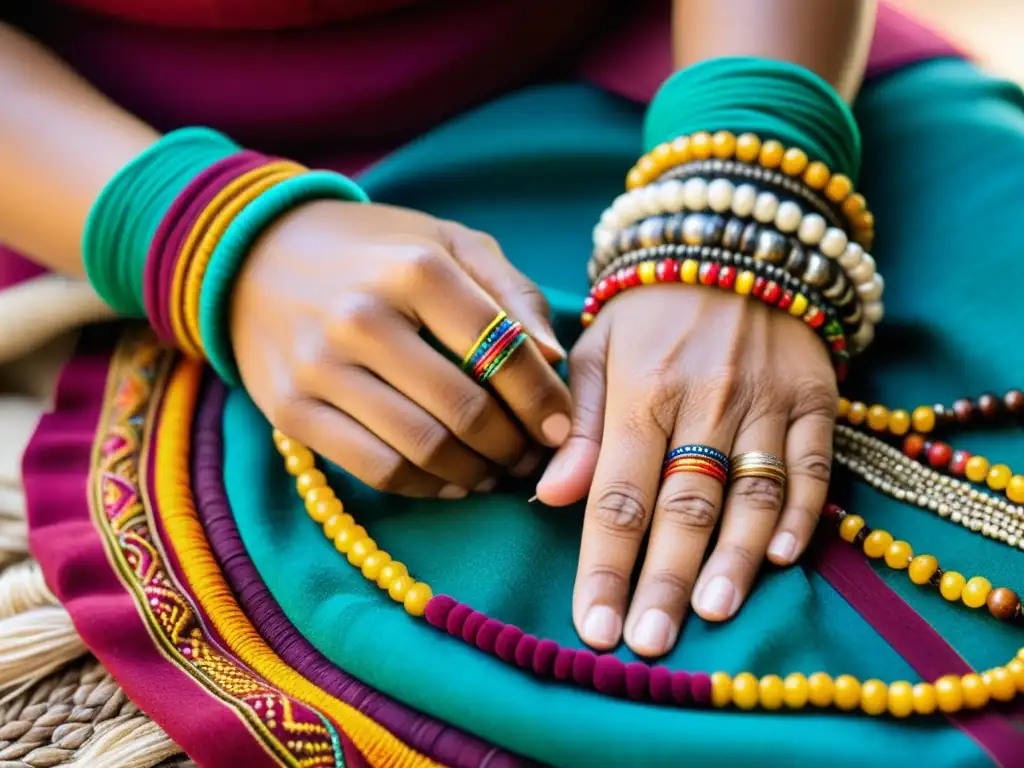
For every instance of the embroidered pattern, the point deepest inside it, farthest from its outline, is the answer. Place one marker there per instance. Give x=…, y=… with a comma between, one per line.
x=293, y=732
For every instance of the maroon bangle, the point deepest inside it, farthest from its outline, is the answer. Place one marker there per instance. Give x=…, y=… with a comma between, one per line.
x=175, y=227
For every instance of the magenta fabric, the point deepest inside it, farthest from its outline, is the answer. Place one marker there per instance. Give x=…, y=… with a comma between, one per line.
x=15, y=268
x=851, y=575
x=177, y=223
x=433, y=738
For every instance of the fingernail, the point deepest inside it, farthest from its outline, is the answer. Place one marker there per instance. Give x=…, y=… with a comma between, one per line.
x=555, y=429
x=486, y=485
x=654, y=633
x=717, y=598
x=783, y=547
x=452, y=491
x=602, y=627
x=526, y=464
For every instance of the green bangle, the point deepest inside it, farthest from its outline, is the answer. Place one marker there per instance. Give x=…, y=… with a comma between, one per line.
x=235, y=244
x=772, y=99
x=125, y=216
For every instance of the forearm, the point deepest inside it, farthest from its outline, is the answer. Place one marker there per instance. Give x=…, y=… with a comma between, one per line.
x=830, y=38
x=60, y=142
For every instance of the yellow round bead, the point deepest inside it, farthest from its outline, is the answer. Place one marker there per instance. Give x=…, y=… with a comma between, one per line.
x=901, y=699
x=416, y=599
x=723, y=145
x=373, y=563
x=975, y=691
x=647, y=167
x=843, y=409
x=279, y=438
x=335, y=524
x=874, y=697
x=689, y=270
x=877, y=543
x=1000, y=684
x=771, y=154
x=745, y=690
x=360, y=549
x=1020, y=654
x=794, y=161
x=878, y=418
x=771, y=692
x=838, y=188
x=847, y=692
x=922, y=568
x=998, y=477
x=975, y=591
x=923, y=418
x=924, y=697
x=949, y=693
x=681, y=150
x=348, y=536
x=850, y=527
x=586, y=319
x=799, y=305
x=854, y=205
x=744, y=283
x=634, y=179
x=898, y=555
x=899, y=422
x=721, y=689
x=646, y=271
x=820, y=689
x=700, y=145
x=951, y=585
x=748, y=147
x=1016, y=670
x=308, y=480
x=976, y=469
x=324, y=509
x=315, y=496
x=286, y=446
x=865, y=220
x=858, y=412
x=391, y=571
x=795, y=691
x=298, y=462
x=816, y=176
x=1015, y=489
x=399, y=588
x=662, y=156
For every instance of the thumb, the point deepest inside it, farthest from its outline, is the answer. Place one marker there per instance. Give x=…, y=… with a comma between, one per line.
x=571, y=472
x=482, y=257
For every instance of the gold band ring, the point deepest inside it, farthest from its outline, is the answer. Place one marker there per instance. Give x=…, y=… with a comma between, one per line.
x=757, y=464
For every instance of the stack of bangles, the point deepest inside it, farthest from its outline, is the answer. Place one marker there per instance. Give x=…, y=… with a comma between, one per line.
x=169, y=233
x=749, y=216
x=493, y=348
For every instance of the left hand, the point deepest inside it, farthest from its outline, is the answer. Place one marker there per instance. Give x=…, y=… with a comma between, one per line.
x=664, y=366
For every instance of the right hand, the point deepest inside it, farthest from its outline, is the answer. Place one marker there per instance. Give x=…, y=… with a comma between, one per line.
x=325, y=324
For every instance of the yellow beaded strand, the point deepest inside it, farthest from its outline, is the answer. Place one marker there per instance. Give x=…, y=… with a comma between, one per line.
x=772, y=155
x=349, y=538
x=744, y=691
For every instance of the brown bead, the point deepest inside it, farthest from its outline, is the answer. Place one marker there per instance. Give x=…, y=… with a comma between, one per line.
x=1013, y=400
x=943, y=415
x=964, y=410
x=988, y=405
x=1003, y=603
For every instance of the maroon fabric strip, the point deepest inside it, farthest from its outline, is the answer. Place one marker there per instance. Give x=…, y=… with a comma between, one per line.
x=916, y=641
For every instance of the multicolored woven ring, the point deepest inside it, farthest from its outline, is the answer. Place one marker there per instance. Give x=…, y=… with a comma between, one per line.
x=494, y=347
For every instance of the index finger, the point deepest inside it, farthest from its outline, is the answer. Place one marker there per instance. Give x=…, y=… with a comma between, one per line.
x=618, y=513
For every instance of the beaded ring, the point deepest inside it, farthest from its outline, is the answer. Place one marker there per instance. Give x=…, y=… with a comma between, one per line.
x=701, y=459
x=748, y=148
x=493, y=348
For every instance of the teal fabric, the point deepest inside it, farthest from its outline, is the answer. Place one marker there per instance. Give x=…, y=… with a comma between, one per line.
x=944, y=147
x=771, y=99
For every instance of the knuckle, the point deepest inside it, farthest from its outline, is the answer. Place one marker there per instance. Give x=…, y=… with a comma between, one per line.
x=691, y=509
x=386, y=473
x=758, y=493
x=720, y=390
x=472, y=412
x=430, y=443
x=423, y=265
x=815, y=464
x=532, y=295
x=355, y=317
x=622, y=509
x=675, y=584
x=816, y=397
x=661, y=394
x=608, y=580
x=740, y=556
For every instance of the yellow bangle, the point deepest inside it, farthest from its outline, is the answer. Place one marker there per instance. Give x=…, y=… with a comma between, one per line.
x=175, y=306
x=771, y=155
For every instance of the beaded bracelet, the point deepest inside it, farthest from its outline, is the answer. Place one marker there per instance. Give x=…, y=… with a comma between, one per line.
x=744, y=282
x=234, y=245
x=748, y=148
x=763, y=244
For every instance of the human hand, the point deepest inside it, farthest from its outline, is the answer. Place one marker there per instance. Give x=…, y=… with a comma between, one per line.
x=325, y=325
x=670, y=365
